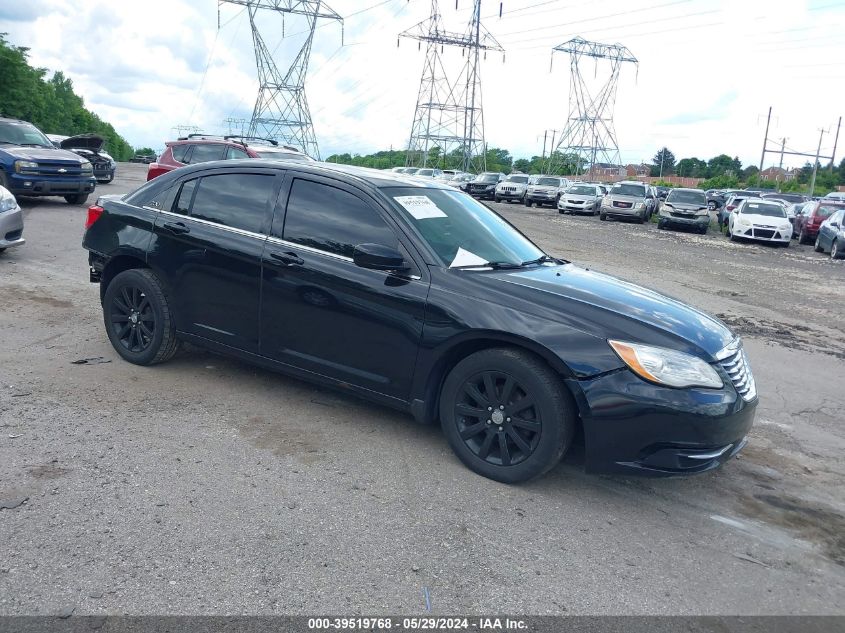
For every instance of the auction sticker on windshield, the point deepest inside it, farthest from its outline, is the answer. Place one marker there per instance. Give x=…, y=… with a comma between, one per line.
x=421, y=207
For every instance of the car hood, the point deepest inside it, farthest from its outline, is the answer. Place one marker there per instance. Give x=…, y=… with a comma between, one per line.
x=91, y=142
x=683, y=206
x=608, y=307
x=545, y=188
x=580, y=196
x=621, y=198
x=768, y=220
x=41, y=153
x=507, y=183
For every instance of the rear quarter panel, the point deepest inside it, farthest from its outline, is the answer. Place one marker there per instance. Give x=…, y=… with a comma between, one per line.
x=122, y=229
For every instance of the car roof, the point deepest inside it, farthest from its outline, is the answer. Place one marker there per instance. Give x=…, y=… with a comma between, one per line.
x=374, y=177
x=685, y=189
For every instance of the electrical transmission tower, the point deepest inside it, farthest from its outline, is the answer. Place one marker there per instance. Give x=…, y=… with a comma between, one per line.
x=449, y=116
x=589, y=137
x=281, y=109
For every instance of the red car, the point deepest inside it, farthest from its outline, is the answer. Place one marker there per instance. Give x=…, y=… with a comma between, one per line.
x=810, y=218
x=201, y=148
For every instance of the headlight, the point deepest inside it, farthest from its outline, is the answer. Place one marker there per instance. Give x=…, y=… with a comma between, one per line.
x=639, y=205
x=86, y=167
x=7, y=201
x=23, y=166
x=666, y=366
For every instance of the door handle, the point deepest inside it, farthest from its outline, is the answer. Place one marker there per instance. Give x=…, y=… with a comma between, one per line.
x=288, y=259
x=176, y=227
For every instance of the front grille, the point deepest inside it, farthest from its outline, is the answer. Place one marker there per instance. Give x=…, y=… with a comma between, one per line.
x=622, y=205
x=575, y=201
x=511, y=189
x=765, y=233
x=54, y=169
x=737, y=367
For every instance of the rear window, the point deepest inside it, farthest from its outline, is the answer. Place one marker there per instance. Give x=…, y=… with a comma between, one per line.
x=825, y=211
x=179, y=152
x=687, y=197
x=207, y=152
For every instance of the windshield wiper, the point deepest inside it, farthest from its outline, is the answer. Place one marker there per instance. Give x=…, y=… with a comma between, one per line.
x=493, y=265
x=540, y=260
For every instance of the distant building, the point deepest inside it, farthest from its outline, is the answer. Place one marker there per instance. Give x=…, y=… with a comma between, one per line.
x=777, y=174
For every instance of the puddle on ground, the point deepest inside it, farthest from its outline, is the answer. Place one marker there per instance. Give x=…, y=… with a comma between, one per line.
x=270, y=435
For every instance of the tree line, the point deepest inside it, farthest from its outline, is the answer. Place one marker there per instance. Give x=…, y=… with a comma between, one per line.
x=49, y=103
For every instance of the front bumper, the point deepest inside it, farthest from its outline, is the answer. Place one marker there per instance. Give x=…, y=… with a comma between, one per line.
x=104, y=174
x=510, y=195
x=23, y=185
x=11, y=228
x=763, y=234
x=626, y=212
x=631, y=426
x=482, y=193
x=576, y=206
x=696, y=221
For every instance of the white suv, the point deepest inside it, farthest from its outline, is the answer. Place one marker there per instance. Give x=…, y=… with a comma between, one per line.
x=512, y=188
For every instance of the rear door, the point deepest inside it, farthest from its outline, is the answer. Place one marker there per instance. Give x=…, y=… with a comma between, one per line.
x=208, y=247
x=322, y=313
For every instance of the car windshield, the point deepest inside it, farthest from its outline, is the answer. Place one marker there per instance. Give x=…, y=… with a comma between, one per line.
x=487, y=178
x=520, y=179
x=548, y=182
x=22, y=134
x=276, y=155
x=628, y=190
x=687, y=197
x=460, y=230
x=582, y=190
x=425, y=172
x=412, y=170
x=764, y=208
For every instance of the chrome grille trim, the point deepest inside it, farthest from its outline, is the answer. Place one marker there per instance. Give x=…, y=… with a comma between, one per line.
x=735, y=363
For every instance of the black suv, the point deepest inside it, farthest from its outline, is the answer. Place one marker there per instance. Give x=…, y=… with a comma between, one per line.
x=415, y=295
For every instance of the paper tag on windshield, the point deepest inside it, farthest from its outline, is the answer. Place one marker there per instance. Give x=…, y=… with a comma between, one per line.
x=465, y=258
x=421, y=207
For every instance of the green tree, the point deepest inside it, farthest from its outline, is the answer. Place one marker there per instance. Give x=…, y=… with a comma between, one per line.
x=663, y=163
x=723, y=165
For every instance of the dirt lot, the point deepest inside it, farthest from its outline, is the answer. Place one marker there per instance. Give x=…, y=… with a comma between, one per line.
x=209, y=486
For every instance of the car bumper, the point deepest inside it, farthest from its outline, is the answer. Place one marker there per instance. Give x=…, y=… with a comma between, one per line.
x=487, y=193
x=575, y=207
x=763, y=235
x=11, y=228
x=629, y=212
x=22, y=185
x=631, y=426
x=104, y=175
x=541, y=197
x=510, y=195
x=697, y=221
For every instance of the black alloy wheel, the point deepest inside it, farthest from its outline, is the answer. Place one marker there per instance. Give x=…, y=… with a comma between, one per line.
x=132, y=318
x=138, y=318
x=506, y=414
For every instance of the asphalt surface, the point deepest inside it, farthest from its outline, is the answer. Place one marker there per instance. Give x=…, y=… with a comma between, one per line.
x=209, y=486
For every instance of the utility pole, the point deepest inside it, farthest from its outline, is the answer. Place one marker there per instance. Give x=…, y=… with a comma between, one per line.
x=766, y=138
x=449, y=113
x=281, y=109
x=816, y=163
x=662, y=156
x=545, y=134
x=835, y=142
x=782, y=149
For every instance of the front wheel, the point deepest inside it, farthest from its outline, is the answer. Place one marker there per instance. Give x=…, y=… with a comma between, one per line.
x=835, y=251
x=506, y=414
x=138, y=318
x=802, y=237
x=818, y=245
x=603, y=217
x=77, y=198
x=497, y=198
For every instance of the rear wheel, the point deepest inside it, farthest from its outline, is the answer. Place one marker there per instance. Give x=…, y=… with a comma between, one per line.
x=661, y=225
x=802, y=237
x=138, y=318
x=602, y=217
x=527, y=202
x=836, y=251
x=818, y=245
x=77, y=198
x=497, y=198
x=506, y=414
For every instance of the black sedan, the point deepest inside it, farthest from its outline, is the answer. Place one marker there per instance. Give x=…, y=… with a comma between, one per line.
x=415, y=295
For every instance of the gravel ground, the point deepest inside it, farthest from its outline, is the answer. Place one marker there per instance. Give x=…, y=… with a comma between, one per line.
x=207, y=486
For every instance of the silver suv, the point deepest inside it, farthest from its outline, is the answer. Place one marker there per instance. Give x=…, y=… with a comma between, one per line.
x=628, y=199
x=512, y=188
x=545, y=190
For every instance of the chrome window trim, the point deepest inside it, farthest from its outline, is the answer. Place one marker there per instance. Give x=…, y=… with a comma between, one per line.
x=309, y=249
x=231, y=229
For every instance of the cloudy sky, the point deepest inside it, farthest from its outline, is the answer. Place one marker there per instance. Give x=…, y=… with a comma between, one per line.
x=708, y=69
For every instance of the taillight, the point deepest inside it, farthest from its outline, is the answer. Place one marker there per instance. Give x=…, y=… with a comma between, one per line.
x=94, y=213
x=731, y=207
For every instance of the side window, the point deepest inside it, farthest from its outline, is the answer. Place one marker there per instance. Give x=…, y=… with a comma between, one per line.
x=332, y=220
x=180, y=152
x=233, y=153
x=206, y=152
x=161, y=200
x=236, y=200
x=183, y=200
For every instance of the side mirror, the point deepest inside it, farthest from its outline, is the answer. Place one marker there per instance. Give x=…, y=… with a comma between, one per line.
x=378, y=257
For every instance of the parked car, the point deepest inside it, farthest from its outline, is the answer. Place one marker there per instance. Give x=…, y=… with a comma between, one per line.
x=663, y=192
x=627, y=199
x=11, y=221
x=544, y=190
x=731, y=205
x=90, y=147
x=836, y=195
x=788, y=207
x=202, y=148
x=685, y=207
x=414, y=295
x=461, y=181
x=809, y=220
x=30, y=165
x=484, y=184
x=512, y=188
x=397, y=170
x=580, y=199
x=792, y=198
x=146, y=159
x=831, y=237
x=428, y=172
x=760, y=220
x=410, y=171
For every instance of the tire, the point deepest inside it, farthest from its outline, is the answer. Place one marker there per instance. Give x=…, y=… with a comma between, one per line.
x=603, y=217
x=661, y=225
x=835, y=251
x=497, y=199
x=641, y=218
x=527, y=202
x=802, y=237
x=785, y=245
x=76, y=198
x=139, y=292
x=817, y=246
x=513, y=452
